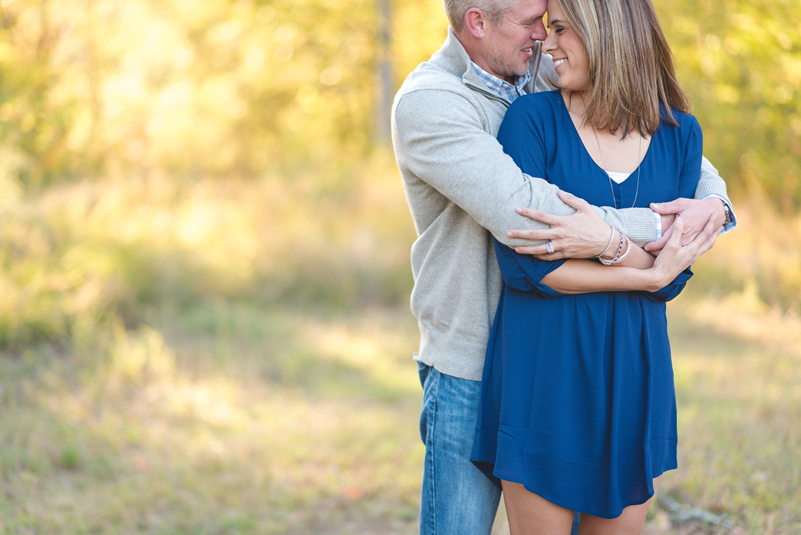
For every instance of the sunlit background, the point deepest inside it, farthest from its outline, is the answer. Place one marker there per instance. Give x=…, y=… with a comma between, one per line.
x=204, y=269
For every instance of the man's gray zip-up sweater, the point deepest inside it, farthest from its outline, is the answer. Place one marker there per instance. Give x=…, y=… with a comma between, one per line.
x=460, y=184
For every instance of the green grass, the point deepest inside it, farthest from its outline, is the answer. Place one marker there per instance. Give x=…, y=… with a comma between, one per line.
x=281, y=423
x=738, y=380
x=234, y=417
x=235, y=357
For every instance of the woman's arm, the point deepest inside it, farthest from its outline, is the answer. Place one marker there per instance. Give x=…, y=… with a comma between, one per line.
x=560, y=277
x=584, y=276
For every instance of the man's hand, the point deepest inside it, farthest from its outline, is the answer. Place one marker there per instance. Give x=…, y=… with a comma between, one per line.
x=580, y=235
x=696, y=214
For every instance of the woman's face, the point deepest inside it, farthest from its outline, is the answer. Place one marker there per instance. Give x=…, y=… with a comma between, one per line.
x=568, y=51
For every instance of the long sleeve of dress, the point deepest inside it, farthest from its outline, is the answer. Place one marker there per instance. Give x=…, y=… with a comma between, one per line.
x=690, y=172
x=522, y=140
x=524, y=272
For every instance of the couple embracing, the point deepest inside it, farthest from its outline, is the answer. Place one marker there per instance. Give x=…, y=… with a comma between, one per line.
x=559, y=192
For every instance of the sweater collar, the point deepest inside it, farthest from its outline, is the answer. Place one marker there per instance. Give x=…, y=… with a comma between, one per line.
x=453, y=58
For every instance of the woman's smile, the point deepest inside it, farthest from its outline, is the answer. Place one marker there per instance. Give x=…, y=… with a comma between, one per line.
x=563, y=44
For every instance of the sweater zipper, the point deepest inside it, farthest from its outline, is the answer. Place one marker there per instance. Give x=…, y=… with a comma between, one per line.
x=487, y=94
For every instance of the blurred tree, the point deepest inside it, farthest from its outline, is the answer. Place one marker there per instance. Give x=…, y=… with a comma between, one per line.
x=215, y=87
x=384, y=76
x=241, y=87
x=741, y=63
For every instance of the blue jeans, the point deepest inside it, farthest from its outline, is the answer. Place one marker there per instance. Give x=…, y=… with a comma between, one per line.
x=457, y=498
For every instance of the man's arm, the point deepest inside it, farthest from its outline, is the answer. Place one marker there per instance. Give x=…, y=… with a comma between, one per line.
x=440, y=140
x=712, y=185
x=709, y=204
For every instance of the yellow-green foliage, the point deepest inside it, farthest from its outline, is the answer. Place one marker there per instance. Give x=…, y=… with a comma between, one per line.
x=196, y=87
x=761, y=259
x=741, y=63
x=221, y=87
x=85, y=254
x=88, y=253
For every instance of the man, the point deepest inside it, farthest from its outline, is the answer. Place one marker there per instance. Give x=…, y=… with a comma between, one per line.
x=460, y=185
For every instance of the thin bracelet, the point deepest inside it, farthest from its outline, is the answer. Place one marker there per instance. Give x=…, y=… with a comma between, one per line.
x=616, y=258
x=611, y=237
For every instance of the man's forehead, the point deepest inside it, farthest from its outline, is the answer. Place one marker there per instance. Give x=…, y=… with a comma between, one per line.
x=530, y=8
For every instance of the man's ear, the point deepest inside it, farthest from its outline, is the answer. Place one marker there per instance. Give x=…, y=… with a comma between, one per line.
x=475, y=22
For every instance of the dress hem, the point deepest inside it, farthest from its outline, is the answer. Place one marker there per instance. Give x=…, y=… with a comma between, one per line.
x=541, y=495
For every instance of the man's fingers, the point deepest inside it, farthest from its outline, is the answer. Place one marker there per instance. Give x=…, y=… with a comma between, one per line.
x=657, y=245
x=542, y=217
x=672, y=238
x=672, y=207
x=576, y=203
x=708, y=230
x=664, y=208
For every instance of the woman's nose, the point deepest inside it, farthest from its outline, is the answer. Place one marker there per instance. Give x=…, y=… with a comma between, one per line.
x=549, y=45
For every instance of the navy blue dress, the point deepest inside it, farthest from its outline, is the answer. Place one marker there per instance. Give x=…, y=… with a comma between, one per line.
x=577, y=399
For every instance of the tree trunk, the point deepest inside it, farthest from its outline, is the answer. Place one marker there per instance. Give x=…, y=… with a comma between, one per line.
x=381, y=124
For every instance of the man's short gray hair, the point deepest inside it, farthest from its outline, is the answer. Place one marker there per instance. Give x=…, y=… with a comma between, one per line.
x=495, y=10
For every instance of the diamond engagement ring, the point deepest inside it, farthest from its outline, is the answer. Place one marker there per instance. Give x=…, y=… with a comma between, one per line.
x=549, y=247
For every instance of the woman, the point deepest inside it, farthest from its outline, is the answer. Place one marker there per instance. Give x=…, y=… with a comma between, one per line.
x=578, y=407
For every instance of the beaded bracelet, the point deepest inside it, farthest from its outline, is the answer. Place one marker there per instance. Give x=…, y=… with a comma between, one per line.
x=614, y=260
x=618, y=257
x=628, y=250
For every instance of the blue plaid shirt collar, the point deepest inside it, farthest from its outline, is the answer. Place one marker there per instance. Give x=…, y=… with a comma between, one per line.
x=502, y=88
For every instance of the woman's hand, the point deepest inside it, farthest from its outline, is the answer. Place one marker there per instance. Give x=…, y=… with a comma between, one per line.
x=675, y=258
x=581, y=235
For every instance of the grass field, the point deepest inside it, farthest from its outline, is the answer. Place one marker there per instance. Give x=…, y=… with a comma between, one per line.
x=221, y=358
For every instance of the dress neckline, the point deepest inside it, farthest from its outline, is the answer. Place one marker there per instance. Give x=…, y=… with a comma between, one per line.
x=566, y=117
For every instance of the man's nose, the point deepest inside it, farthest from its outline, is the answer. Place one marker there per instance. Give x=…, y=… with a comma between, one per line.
x=538, y=33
